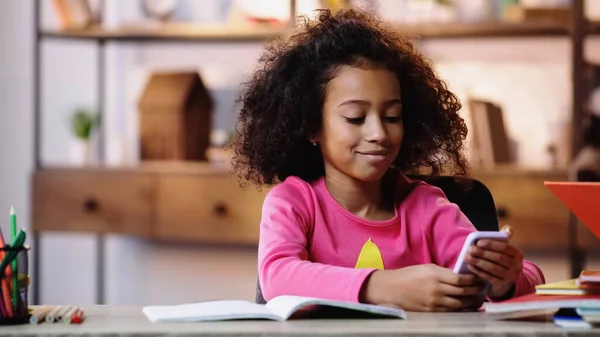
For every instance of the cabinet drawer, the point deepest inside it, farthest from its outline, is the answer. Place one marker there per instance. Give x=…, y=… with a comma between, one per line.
x=540, y=220
x=209, y=208
x=586, y=239
x=93, y=201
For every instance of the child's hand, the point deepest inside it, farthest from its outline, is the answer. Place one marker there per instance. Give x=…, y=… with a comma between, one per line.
x=424, y=288
x=497, y=262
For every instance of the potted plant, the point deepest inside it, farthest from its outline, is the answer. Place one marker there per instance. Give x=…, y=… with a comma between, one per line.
x=83, y=123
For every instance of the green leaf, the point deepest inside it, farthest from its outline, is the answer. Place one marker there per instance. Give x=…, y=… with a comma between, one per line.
x=83, y=123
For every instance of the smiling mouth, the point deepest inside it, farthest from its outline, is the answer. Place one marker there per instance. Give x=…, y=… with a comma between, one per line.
x=375, y=156
x=374, y=153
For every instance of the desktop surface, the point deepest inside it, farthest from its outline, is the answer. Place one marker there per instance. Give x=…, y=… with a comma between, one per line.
x=129, y=320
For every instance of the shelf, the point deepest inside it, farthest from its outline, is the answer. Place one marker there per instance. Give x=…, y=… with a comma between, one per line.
x=149, y=167
x=169, y=33
x=195, y=33
x=222, y=168
x=485, y=29
x=593, y=28
x=218, y=167
x=510, y=170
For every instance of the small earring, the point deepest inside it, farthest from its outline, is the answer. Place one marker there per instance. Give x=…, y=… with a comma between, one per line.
x=315, y=143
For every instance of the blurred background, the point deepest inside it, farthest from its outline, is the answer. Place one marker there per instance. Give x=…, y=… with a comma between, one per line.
x=114, y=114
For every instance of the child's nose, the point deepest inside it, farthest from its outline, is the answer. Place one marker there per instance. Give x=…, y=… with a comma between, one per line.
x=375, y=131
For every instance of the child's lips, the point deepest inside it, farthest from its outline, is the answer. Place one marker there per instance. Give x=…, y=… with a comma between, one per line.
x=375, y=156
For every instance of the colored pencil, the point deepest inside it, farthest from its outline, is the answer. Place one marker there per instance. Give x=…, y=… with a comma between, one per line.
x=77, y=317
x=69, y=314
x=5, y=287
x=13, y=233
x=52, y=315
x=39, y=314
x=63, y=313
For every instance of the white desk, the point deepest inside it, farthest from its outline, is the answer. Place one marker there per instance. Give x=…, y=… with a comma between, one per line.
x=123, y=321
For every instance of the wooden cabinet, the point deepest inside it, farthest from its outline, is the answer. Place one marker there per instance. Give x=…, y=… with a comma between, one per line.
x=201, y=203
x=93, y=201
x=586, y=239
x=194, y=203
x=207, y=208
x=540, y=220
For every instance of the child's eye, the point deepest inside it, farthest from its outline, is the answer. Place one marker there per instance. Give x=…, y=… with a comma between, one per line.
x=356, y=120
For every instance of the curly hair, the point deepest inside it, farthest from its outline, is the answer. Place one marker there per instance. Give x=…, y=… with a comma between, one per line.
x=281, y=105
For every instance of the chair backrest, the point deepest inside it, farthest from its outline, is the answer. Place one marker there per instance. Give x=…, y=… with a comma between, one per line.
x=472, y=197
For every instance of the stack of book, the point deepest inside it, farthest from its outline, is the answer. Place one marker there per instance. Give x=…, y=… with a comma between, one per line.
x=573, y=303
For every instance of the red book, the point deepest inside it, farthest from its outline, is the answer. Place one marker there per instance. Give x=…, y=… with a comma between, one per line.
x=582, y=198
x=533, y=302
x=590, y=276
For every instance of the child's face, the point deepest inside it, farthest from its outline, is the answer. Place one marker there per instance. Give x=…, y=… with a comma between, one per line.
x=362, y=123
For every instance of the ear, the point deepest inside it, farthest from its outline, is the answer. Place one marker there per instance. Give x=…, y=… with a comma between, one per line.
x=315, y=139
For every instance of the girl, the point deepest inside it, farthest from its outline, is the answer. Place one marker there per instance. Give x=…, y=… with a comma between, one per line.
x=334, y=118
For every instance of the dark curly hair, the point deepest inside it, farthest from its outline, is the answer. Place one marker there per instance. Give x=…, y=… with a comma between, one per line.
x=281, y=105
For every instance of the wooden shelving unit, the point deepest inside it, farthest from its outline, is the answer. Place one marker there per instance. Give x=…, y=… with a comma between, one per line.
x=592, y=28
x=170, y=33
x=197, y=33
x=484, y=30
x=153, y=182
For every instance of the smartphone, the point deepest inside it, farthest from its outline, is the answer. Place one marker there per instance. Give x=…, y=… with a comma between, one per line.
x=461, y=265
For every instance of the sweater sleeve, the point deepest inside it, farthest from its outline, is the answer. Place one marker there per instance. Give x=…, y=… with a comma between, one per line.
x=284, y=269
x=447, y=229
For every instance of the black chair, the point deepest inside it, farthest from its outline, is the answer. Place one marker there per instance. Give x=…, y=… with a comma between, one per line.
x=472, y=197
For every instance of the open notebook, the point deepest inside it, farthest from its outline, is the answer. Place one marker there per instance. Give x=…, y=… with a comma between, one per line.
x=280, y=308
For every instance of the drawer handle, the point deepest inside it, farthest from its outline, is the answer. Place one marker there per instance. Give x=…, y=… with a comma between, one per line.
x=90, y=205
x=502, y=212
x=220, y=209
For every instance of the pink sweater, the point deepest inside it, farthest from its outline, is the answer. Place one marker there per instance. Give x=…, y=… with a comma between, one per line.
x=310, y=245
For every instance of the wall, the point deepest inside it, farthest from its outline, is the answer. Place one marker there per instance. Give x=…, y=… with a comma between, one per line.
x=16, y=109
x=520, y=75
x=536, y=98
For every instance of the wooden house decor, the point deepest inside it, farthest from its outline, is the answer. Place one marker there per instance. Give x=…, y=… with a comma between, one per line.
x=175, y=117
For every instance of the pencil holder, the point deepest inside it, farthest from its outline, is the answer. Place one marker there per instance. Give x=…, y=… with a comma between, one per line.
x=14, y=285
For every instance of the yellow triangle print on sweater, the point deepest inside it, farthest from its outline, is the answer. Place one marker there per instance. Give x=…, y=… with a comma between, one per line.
x=370, y=256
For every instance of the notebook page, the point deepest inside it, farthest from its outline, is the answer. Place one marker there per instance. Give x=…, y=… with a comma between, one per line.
x=208, y=311
x=285, y=306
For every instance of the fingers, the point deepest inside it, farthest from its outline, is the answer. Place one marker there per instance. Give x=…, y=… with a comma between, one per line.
x=492, y=268
x=447, y=276
x=472, y=302
x=450, y=303
x=500, y=246
x=442, y=309
x=485, y=275
x=509, y=230
x=447, y=303
x=448, y=289
x=500, y=259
